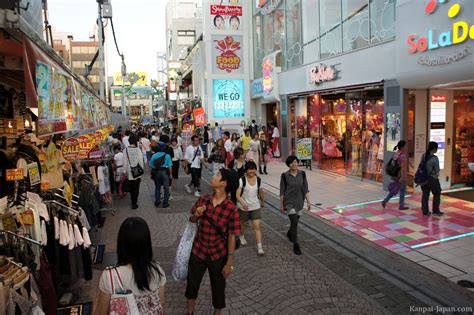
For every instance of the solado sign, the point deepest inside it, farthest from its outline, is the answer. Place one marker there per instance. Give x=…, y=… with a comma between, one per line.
x=459, y=33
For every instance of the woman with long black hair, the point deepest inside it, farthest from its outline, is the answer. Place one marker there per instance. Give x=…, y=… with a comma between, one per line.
x=135, y=269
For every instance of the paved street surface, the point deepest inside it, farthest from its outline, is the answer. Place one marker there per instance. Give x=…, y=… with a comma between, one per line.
x=322, y=281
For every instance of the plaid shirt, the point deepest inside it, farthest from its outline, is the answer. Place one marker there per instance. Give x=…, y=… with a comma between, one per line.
x=208, y=241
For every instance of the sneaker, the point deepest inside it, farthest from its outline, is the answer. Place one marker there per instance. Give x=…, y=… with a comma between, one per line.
x=438, y=214
x=170, y=197
x=384, y=204
x=197, y=194
x=404, y=208
x=297, y=249
x=243, y=241
x=188, y=189
x=260, y=252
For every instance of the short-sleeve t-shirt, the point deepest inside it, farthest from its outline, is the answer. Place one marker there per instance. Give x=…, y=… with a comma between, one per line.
x=250, y=195
x=126, y=274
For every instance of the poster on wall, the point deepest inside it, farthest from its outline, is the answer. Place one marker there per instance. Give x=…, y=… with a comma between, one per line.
x=43, y=90
x=199, y=117
x=438, y=125
x=227, y=54
x=228, y=98
x=60, y=97
x=393, y=123
x=226, y=17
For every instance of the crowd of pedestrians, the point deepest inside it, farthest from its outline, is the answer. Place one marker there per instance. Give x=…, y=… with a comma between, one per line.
x=236, y=160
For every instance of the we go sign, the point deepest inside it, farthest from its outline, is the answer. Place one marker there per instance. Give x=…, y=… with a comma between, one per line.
x=199, y=117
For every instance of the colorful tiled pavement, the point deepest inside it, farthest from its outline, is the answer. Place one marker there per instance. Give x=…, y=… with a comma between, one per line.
x=404, y=231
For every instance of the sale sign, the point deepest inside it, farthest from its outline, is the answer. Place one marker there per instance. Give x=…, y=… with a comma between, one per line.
x=14, y=174
x=70, y=149
x=199, y=117
x=85, y=145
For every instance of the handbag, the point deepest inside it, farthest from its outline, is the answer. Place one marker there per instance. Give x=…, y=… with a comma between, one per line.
x=122, y=302
x=181, y=262
x=136, y=170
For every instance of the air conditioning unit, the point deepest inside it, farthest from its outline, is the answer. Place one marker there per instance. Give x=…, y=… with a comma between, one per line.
x=107, y=11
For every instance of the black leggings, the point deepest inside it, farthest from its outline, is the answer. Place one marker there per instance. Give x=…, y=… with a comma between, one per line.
x=195, y=177
x=175, y=169
x=294, y=218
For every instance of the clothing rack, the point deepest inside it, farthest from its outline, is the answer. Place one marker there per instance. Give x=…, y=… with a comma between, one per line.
x=73, y=211
x=21, y=237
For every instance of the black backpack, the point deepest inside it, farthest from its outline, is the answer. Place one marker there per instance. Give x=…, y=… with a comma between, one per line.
x=393, y=168
x=244, y=182
x=421, y=176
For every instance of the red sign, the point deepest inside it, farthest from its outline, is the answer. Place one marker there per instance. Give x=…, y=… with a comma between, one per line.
x=70, y=149
x=226, y=10
x=438, y=98
x=199, y=117
x=228, y=59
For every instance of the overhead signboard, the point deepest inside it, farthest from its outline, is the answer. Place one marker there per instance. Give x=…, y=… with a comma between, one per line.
x=139, y=78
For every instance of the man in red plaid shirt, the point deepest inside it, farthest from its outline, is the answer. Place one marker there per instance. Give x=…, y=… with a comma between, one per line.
x=212, y=250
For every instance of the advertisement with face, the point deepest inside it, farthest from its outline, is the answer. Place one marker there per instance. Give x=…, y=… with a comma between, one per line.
x=225, y=16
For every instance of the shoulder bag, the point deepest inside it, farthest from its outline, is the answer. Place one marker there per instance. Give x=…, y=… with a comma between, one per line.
x=218, y=229
x=187, y=165
x=121, y=302
x=136, y=170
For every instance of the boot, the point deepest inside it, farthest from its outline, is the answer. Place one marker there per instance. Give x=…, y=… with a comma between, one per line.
x=265, y=170
x=296, y=249
x=260, y=170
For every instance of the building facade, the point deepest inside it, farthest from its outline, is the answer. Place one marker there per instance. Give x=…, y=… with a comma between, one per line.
x=358, y=76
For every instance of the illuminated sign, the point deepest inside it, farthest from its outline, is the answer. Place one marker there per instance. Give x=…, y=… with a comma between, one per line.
x=460, y=32
x=438, y=125
x=227, y=50
x=257, y=88
x=228, y=98
x=267, y=70
x=321, y=73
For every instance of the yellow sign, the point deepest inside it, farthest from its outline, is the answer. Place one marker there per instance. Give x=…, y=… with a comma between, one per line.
x=139, y=78
x=15, y=174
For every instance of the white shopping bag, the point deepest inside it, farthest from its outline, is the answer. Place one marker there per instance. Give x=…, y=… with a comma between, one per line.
x=181, y=262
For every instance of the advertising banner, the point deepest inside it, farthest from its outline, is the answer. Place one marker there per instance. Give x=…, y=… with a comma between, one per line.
x=70, y=149
x=140, y=78
x=43, y=88
x=199, y=117
x=304, y=148
x=228, y=98
x=227, y=54
x=60, y=97
x=85, y=145
x=226, y=17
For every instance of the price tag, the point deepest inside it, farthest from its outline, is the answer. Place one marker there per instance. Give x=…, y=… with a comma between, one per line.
x=15, y=174
x=45, y=186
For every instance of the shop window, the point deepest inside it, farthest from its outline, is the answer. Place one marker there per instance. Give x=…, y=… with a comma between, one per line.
x=294, y=50
x=464, y=137
x=382, y=20
x=279, y=28
x=267, y=34
x=310, y=14
x=330, y=28
x=355, y=24
x=258, y=46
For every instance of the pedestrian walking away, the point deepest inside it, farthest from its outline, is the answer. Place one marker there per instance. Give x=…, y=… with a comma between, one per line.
x=214, y=244
x=177, y=158
x=250, y=202
x=161, y=169
x=431, y=163
x=218, y=157
x=135, y=273
x=293, y=192
x=133, y=158
x=399, y=180
x=194, y=158
x=119, y=170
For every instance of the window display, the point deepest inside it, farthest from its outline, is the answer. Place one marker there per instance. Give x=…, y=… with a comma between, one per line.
x=464, y=137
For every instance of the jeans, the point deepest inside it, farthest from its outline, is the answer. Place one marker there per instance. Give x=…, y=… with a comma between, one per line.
x=162, y=179
x=134, y=190
x=403, y=190
x=195, y=177
x=434, y=187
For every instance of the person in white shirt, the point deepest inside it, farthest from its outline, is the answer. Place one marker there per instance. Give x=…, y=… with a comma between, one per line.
x=119, y=172
x=177, y=157
x=133, y=156
x=250, y=202
x=194, y=156
x=242, y=128
x=125, y=140
x=145, y=145
x=275, y=140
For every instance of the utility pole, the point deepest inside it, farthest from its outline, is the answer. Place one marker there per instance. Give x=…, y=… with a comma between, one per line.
x=124, y=74
x=101, y=53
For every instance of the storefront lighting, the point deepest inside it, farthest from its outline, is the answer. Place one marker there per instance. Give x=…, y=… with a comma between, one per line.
x=10, y=126
x=442, y=240
x=27, y=123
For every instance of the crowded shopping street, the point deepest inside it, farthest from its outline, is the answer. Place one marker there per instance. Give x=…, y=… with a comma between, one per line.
x=197, y=157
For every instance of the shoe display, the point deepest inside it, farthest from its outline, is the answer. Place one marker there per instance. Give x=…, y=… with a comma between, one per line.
x=243, y=241
x=297, y=249
x=197, y=194
x=188, y=189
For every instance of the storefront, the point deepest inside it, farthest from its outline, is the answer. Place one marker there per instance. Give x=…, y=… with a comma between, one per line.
x=435, y=71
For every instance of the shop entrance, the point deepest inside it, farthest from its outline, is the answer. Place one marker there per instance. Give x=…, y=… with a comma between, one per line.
x=271, y=113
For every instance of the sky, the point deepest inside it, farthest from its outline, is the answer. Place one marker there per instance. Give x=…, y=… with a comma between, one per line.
x=139, y=26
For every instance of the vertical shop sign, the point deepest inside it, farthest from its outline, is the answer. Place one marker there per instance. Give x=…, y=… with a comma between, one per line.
x=199, y=117
x=228, y=98
x=438, y=125
x=304, y=148
x=227, y=54
x=43, y=90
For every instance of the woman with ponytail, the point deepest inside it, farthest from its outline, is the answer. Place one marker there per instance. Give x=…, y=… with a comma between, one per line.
x=401, y=158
